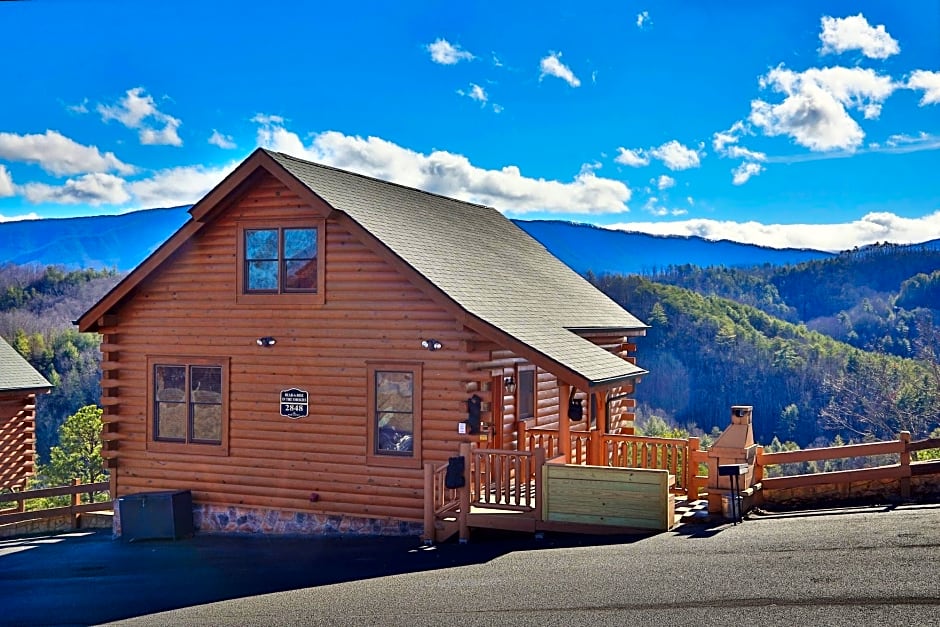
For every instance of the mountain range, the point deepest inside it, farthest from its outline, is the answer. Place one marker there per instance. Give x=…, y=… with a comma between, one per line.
x=121, y=242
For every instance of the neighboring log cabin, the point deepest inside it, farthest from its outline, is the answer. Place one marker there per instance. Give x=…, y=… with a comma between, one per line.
x=19, y=386
x=311, y=337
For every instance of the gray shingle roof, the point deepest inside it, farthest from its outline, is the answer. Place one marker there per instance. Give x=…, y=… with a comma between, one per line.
x=485, y=263
x=16, y=373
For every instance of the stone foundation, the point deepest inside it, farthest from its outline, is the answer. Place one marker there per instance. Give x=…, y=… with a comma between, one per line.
x=252, y=521
x=221, y=519
x=925, y=488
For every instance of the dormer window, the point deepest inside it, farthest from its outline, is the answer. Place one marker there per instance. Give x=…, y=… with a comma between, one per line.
x=280, y=263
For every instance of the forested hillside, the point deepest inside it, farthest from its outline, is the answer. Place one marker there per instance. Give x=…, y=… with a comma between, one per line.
x=706, y=353
x=871, y=298
x=37, y=307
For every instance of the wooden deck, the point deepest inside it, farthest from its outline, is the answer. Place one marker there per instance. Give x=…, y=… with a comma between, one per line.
x=522, y=491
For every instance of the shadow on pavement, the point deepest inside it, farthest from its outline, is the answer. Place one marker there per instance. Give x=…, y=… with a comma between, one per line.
x=85, y=577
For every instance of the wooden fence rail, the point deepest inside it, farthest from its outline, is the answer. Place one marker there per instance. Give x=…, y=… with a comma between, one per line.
x=74, y=509
x=901, y=471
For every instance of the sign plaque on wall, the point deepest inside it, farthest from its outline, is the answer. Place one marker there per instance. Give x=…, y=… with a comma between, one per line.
x=294, y=403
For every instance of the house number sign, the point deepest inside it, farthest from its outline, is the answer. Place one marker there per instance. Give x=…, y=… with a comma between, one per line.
x=294, y=403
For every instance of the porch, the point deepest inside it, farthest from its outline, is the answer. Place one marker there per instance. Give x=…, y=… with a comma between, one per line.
x=599, y=483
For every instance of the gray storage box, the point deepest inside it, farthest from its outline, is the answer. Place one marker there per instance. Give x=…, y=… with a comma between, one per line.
x=156, y=515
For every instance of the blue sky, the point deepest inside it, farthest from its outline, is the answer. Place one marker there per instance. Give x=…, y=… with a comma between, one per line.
x=809, y=124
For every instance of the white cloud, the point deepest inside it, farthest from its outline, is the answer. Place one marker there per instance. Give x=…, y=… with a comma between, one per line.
x=675, y=156
x=79, y=108
x=740, y=152
x=664, y=182
x=642, y=19
x=653, y=207
x=497, y=108
x=57, y=154
x=475, y=93
x=871, y=228
x=855, y=33
x=929, y=82
x=26, y=216
x=445, y=53
x=97, y=188
x=6, y=183
x=137, y=110
x=264, y=118
x=178, y=186
x=633, y=158
x=552, y=66
x=745, y=171
x=813, y=111
x=441, y=172
x=222, y=141
x=721, y=139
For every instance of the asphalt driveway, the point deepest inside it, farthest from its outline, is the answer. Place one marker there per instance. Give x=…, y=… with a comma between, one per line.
x=856, y=566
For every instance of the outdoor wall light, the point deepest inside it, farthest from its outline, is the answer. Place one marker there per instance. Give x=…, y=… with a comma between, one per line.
x=267, y=340
x=510, y=384
x=431, y=344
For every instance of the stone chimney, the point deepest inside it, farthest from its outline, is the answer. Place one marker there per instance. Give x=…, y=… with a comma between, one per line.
x=734, y=446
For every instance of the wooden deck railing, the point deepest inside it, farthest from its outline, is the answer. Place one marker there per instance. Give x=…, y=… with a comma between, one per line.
x=507, y=480
x=681, y=457
x=76, y=507
x=902, y=470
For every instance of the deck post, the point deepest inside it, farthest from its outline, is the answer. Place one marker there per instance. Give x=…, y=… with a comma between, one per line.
x=539, y=467
x=76, y=499
x=428, y=537
x=463, y=517
x=691, y=469
x=905, y=462
x=521, y=443
x=597, y=455
x=564, y=423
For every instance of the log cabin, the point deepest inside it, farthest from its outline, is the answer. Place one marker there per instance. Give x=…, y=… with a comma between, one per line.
x=298, y=350
x=20, y=384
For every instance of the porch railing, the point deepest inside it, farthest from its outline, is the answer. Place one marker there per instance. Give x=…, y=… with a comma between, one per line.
x=506, y=480
x=681, y=457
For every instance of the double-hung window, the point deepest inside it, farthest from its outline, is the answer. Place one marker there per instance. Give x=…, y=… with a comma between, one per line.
x=188, y=404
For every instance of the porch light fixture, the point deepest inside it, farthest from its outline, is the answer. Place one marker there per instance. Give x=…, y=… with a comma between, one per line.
x=510, y=384
x=266, y=341
x=431, y=344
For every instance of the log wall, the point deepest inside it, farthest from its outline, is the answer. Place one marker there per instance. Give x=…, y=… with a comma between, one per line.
x=371, y=314
x=17, y=439
x=317, y=464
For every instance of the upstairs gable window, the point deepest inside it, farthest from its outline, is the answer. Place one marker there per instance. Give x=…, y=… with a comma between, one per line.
x=280, y=264
x=280, y=260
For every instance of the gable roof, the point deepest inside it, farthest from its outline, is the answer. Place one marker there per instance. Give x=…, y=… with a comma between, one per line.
x=16, y=375
x=502, y=279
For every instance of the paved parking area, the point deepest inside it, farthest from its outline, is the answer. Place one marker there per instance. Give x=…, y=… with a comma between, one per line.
x=859, y=566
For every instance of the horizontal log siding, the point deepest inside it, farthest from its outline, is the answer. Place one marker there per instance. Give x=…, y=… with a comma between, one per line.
x=373, y=313
x=17, y=438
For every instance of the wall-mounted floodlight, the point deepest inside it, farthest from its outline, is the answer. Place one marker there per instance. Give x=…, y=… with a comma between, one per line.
x=431, y=344
x=267, y=340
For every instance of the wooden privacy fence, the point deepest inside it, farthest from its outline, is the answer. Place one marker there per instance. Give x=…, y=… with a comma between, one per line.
x=74, y=509
x=681, y=457
x=901, y=471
